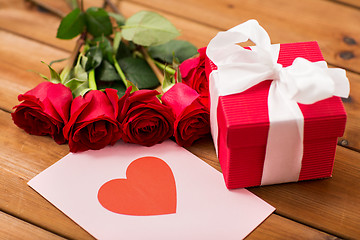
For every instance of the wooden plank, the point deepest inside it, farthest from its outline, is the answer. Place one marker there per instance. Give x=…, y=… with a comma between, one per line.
x=288, y=230
x=14, y=228
x=21, y=201
x=285, y=21
x=12, y=4
x=28, y=155
x=351, y=136
x=350, y=3
x=23, y=156
x=332, y=205
x=34, y=25
x=336, y=35
x=18, y=56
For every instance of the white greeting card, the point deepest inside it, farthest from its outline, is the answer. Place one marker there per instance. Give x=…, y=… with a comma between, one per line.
x=129, y=191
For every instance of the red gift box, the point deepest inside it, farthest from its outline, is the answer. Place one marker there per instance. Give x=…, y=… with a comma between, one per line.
x=243, y=123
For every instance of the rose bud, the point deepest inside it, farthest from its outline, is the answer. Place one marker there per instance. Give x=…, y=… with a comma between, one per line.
x=144, y=119
x=44, y=110
x=193, y=74
x=93, y=123
x=192, y=118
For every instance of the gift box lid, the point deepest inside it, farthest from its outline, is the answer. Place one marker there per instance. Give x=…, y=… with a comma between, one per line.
x=243, y=117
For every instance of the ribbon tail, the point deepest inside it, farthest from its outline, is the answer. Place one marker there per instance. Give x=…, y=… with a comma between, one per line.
x=284, y=149
x=214, y=99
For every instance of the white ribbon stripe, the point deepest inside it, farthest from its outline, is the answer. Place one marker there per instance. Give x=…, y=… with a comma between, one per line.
x=303, y=82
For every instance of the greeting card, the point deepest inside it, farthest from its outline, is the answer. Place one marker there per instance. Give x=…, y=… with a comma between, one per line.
x=161, y=192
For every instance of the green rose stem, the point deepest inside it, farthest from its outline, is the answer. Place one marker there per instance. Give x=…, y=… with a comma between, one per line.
x=65, y=73
x=120, y=71
x=81, y=4
x=155, y=69
x=92, y=82
x=164, y=67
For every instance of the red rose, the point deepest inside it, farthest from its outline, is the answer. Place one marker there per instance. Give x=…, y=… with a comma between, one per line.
x=144, y=119
x=93, y=123
x=192, y=118
x=193, y=74
x=44, y=110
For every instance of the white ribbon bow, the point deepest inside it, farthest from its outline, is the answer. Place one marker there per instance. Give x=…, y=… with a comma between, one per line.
x=304, y=82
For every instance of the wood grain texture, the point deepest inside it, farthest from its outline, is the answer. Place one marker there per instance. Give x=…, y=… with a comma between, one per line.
x=22, y=157
x=351, y=136
x=331, y=205
x=289, y=230
x=12, y=4
x=285, y=21
x=19, y=200
x=41, y=27
x=14, y=228
x=19, y=164
x=20, y=56
x=350, y=3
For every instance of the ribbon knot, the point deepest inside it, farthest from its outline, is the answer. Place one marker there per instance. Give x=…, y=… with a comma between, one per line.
x=277, y=72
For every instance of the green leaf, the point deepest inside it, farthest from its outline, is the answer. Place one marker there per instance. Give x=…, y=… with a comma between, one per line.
x=43, y=76
x=66, y=73
x=106, y=72
x=139, y=72
x=79, y=71
x=79, y=83
x=84, y=91
x=107, y=49
x=77, y=86
x=134, y=88
x=120, y=19
x=54, y=76
x=71, y=25
x=98, y=22
x=119, y=86
x=123, y=51
x=148, y=29
x=182, y=50
x=94, y=57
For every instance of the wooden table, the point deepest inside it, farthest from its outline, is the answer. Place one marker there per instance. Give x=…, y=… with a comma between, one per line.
x=320, y=209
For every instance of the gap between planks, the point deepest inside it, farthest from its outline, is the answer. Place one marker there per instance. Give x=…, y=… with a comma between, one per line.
x=24, y=228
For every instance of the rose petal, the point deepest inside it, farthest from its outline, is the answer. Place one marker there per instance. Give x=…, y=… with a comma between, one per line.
x=179, y=97
x=188, y=65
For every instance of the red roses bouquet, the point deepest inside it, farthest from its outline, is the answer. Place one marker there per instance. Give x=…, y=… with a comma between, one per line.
x=122, y=81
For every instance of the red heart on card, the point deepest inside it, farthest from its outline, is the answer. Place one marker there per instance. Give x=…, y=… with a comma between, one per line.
x=149, y=189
